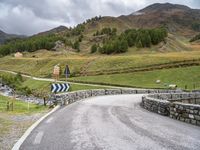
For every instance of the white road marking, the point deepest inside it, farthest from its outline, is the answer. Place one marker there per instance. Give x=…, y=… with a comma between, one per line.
x=38, y=138
x=31, y=128
x=49, y=120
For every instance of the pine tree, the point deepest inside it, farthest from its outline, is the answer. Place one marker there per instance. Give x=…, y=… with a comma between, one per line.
x=139, y=44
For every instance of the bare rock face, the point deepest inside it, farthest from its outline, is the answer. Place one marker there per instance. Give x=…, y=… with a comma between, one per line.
x=59, y=45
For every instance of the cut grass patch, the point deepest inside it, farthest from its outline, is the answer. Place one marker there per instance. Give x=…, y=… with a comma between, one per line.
x=189, y=76
x=41, y=88
x=45, y=86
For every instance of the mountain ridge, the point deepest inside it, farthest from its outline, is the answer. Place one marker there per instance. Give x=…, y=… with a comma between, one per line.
x=58, y=29
x=181, y=21
x=169, y=15
x=5, y=36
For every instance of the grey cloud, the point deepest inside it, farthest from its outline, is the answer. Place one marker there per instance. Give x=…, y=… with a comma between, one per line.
x=32, y=16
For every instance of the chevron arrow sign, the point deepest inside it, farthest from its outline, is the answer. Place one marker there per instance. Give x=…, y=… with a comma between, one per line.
x=59, y=87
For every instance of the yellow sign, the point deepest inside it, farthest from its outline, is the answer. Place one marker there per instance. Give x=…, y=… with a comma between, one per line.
x=56, y=70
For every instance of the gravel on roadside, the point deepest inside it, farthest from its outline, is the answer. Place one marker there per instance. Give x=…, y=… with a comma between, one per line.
x=15, y=128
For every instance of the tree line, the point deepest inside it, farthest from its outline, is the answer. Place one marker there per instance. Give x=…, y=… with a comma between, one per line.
x=139, y=38
x=30, y=44
x=96, y=18
x=107, y=31
x=34, y=43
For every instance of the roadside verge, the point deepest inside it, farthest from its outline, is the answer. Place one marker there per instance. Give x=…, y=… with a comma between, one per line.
x=31, y=128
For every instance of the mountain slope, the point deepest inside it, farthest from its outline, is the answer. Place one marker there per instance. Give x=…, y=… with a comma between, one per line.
x=181, y=21
x=175, y=17
x=4, y=36
x=56, y=30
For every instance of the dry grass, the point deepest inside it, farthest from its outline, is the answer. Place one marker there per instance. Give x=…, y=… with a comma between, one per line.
x=43, y=62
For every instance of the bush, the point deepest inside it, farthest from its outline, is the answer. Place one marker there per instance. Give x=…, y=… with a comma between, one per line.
x=80, y=38
x=94, y=48
x=78, y=29
x=76, y=46
x=197, y=37
x=196, y=26
x=15, y=82
x=19, y=77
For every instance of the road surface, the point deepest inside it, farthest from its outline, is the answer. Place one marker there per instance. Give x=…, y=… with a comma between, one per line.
x=111, y=123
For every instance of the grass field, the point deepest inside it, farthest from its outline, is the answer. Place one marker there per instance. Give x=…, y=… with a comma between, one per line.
x=42, y=64
x=44, y=86
x=41, y=88
x=19, y=106
x=14, y=123
x=179, y=76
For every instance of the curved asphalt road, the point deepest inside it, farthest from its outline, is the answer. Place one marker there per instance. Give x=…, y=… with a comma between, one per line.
x=111, y=123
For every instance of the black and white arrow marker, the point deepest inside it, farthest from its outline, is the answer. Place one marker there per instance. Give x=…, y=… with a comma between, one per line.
x=59, y=87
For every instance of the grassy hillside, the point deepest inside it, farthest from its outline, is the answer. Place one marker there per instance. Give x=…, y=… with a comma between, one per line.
x=43, y=61
x=172, y=51
x=182, y=77
x=43, y=88
x=177, y=19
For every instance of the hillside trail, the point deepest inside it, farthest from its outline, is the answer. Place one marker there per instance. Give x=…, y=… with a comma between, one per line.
x=84, y=68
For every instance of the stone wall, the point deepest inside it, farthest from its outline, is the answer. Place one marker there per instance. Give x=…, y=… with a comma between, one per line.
x=156, y=105
x=185, y=112
x=165, y=102
x=67, y=98
x=174, y=106
x=189, y=98
x=170, y=103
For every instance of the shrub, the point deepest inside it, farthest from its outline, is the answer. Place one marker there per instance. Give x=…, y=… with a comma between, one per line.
x=94, y=48
x=195, y=38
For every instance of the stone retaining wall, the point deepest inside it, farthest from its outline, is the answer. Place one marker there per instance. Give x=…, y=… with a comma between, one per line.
x=189, y=98
x=174, y=106
x=185, y=112
x=67, y=98
x=164, y=102
x=155, y=105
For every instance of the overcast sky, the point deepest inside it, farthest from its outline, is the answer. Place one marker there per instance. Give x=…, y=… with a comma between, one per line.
x=32, y=16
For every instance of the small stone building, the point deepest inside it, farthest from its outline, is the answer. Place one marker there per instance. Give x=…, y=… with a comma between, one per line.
x=18, y=55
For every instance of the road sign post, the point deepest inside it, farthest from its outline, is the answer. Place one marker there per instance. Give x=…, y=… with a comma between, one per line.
x=67, y=72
